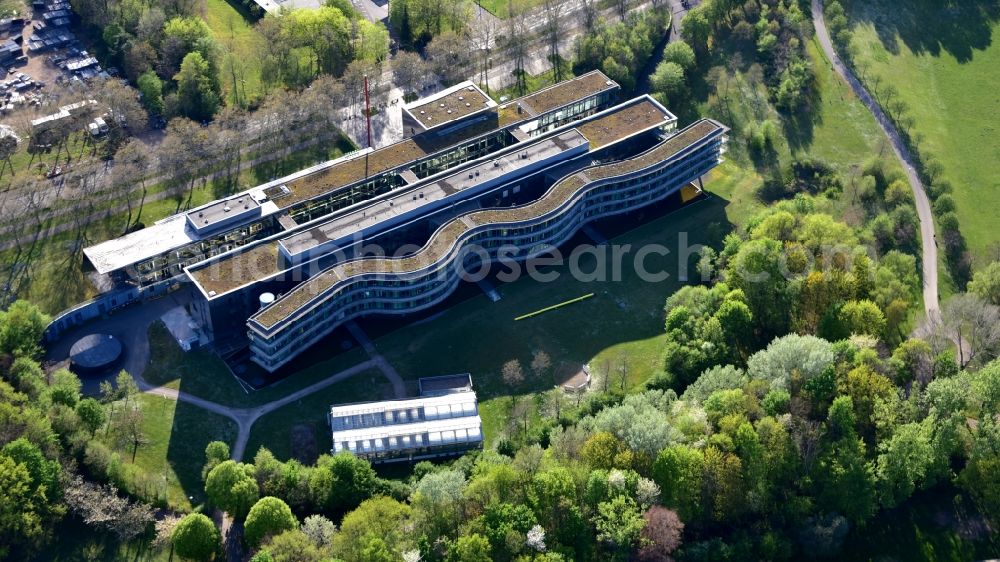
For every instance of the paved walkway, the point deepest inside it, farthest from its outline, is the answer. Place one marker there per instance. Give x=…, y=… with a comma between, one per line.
x=927, y=239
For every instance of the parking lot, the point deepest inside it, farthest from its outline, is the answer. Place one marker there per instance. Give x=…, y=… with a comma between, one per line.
x=48, y=60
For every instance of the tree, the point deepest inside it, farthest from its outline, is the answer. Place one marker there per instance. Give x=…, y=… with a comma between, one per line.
x=379, y=517
x=714, y=379
x=605, y=451
x=232, y=487
x=506, y=526
x=437, y=501
x=661, y=534
x=319, y=529
x=903, y=462
x=104, y=509
x=91, y=413
x=341, y=482
x=859, y=317
x=512, y=373
x=470, y=548
x=668, y=78
x=553, y=31
x=196, y=537
x=23, y=521
x=197, y=89
x=21, y=328
x=8, y=148
x=151, y=88
x=985, y=282
x=27, y=377
x=268, y=517
x=619, y=525
x=216, y=453
x=808, y=356
x=680, y=53
x=696, y=29
x=409, y=72
x=449, y=56
x=541, y=364
x=293, y=546
x=972, y=324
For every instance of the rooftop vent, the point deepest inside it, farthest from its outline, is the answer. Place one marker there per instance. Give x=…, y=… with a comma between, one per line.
x=201, y=213
x=449, y=112
x=467, y=104
x=471, y=175
x=470, y=88
x=421, y=195
x=225, y=209
x=441, y=104
x=496, y=163
x=460, y=98
x=609, y=82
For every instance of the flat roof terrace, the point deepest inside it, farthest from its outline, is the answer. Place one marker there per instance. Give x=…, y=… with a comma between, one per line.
x=444, y=238
x=449, y=105
x=391, y=157
x=236, y=269
x=411, y=199
x=555, y=96
x=633, y=119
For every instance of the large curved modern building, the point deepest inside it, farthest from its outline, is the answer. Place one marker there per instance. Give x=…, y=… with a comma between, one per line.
x=279, y=266
x=397, y=286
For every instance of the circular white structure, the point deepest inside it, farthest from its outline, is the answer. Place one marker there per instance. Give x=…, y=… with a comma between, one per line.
x=266, y=299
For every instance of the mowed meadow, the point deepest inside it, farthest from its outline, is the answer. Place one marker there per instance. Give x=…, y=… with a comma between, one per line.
x=944, y=60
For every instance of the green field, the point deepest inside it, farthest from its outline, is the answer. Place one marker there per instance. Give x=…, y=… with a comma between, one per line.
x=274, y=430
x=203, y=374
x=839, y=130
x=176, y=434
x=622, y=322
x=242, y=46
x=944, y=58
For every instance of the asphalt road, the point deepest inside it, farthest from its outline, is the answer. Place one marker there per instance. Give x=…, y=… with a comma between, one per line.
x=929, y=258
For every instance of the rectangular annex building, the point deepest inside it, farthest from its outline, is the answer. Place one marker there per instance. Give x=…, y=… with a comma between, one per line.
x=408, y=429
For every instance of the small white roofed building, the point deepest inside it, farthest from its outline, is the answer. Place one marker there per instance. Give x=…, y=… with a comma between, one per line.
x=408, y=429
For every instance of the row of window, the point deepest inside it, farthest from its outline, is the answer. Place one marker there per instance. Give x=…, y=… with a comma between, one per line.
x=361, y=296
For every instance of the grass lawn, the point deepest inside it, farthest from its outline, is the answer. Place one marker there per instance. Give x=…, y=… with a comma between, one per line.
x=242, y=46
x=204, y=374
x=622, y=322
x=274, y=430
x=837, y=128
x=945, y=61
x=176, y=435
x=501, y=8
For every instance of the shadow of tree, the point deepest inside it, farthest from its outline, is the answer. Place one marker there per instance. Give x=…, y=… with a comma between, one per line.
x=193, y=429
x=958, y=27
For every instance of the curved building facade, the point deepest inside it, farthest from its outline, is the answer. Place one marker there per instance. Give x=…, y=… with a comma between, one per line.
x=395, y=286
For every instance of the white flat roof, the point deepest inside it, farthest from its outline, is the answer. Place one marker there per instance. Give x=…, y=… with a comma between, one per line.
x=162, y=236
x=173, y=232
x=460, y=399
x=408, y=436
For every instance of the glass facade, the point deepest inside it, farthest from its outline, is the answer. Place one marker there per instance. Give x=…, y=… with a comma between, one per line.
x=430, y=284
